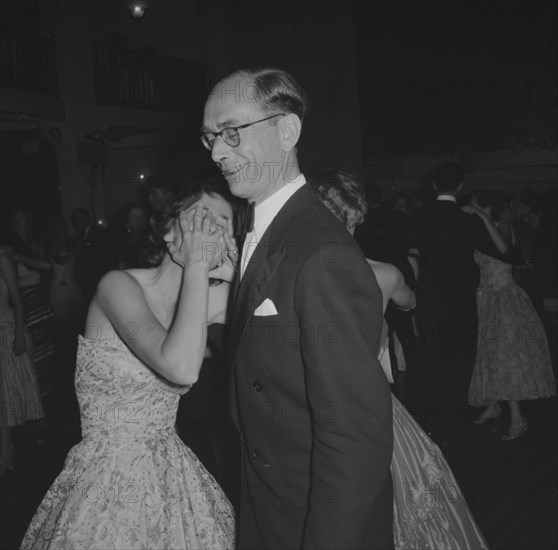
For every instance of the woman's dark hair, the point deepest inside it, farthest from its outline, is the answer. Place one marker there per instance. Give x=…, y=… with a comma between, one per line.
x=168, y=182
x=342, y=194
x=496, y=200
x=183, y=197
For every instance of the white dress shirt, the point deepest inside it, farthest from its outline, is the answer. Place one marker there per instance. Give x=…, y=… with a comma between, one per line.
x=264, y=214
x=446, y=198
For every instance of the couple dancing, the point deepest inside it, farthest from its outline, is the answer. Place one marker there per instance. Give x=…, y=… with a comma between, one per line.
x=310, y=400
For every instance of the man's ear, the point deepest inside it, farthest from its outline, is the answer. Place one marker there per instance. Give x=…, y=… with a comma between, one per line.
x=435, y=186
x=460, y=187
x=289, y=129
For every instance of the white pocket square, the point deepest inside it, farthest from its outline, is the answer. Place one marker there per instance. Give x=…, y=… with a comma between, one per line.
x=266, y=308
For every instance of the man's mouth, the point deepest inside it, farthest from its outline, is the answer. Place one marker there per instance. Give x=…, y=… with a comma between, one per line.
x=233, y=171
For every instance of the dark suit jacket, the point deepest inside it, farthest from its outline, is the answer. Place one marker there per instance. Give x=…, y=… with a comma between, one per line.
x=447, y=238
x=447, y=306
x=310, y=400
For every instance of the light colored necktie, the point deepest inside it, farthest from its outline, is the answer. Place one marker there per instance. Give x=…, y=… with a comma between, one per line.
x=247, y=250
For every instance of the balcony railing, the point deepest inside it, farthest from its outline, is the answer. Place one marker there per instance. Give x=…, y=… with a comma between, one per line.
x=27, y=57
x=147, y=80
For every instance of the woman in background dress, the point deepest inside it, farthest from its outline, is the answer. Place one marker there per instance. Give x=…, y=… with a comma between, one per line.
x=513, y=359
x=429, y=508
x=20, y=401
x=34, y=268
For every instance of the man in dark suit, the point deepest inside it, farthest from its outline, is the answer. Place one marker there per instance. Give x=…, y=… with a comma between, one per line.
x=446, y=300
x=309, y=398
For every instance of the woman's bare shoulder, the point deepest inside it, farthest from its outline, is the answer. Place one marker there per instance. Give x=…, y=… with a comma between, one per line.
x=117, y=287
x=387, y=272
x=119, y=293
x=137, y=277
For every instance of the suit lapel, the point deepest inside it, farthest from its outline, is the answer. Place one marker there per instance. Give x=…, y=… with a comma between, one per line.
x=253, y=285
x=269, y=253
x=251, y=288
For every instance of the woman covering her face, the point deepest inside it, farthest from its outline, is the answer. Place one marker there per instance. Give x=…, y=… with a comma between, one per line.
x=131, y=482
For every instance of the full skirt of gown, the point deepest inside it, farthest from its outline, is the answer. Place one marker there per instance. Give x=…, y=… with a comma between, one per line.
x=513, y=359
x=130, y=483
x=429, y=510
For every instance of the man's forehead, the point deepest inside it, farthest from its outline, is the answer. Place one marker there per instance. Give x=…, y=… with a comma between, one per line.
x=236, y=88
x=228, y=104
x=227, y=109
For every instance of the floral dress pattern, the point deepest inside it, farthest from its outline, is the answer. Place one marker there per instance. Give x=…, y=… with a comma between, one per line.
x=513, y=359
x=130, y=483
x=429, y=509
x=20, y=400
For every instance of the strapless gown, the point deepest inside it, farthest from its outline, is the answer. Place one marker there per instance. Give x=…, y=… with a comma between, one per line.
x=130, y=483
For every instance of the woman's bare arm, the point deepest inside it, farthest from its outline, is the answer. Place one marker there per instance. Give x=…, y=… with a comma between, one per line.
x=402, y=295
x=176, y=353
x=393, y=286
x=495, y=235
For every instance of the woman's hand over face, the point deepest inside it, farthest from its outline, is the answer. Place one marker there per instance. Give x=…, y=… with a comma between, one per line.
x=201, y=240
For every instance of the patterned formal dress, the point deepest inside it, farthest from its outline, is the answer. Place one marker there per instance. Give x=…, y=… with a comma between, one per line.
x=513, y=360
x=41, y=322
x=429, y=509
x=130, y=483
x=19, y=392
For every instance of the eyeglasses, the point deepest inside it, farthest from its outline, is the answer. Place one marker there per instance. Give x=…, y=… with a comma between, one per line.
x=230, y=135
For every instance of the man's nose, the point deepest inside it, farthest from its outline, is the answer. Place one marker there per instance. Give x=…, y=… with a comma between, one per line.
x=220, y=150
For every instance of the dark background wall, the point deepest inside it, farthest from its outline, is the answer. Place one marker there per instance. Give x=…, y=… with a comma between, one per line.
x=456, y=76
x=394, y=87
x=315, y=42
